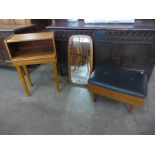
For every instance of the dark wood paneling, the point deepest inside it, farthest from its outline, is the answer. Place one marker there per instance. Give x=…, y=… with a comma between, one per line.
x=1, y=56
x=127, y=45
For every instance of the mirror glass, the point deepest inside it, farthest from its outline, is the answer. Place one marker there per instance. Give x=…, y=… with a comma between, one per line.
x=80, y=58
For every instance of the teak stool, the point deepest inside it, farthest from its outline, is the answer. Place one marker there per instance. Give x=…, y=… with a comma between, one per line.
x=29, y=49
x=118, y=83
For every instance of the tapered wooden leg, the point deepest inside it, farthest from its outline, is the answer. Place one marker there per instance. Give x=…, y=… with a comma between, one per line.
x=94, y=97
x=56, y=76
x=23, y=81
x=130, y=109
x=27, y=75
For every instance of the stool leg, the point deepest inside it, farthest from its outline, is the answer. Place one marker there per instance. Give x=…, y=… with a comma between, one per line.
x=130, y=109
x=94, y=97
x=23, y=80
x=56, y=76
x=27, y=75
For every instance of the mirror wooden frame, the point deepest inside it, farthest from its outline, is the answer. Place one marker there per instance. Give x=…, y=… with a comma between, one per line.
x=69, y=56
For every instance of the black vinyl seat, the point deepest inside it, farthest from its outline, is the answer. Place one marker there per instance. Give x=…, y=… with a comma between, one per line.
x=120, y=79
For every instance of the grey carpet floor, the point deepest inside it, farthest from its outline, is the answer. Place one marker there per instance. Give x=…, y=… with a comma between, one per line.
x=70, y=112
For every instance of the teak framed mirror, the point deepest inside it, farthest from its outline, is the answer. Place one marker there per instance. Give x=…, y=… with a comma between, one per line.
x=80, y=59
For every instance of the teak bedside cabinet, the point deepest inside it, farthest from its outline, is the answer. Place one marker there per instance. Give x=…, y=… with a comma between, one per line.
x=29, y=49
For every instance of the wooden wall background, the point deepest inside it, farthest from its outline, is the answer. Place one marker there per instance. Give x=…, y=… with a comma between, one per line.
x=40, y=23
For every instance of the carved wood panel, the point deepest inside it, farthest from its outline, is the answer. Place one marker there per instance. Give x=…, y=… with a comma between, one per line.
x=116, y=54
x=132, y=49
x=136, y=36
x=65, y=34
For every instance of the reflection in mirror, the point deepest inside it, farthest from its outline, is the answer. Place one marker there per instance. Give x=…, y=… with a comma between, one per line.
x=80, y=58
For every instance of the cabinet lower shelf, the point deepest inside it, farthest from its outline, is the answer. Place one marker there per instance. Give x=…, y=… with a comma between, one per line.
x=32, y=56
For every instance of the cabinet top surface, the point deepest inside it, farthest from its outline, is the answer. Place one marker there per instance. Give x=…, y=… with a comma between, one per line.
x=30, y=37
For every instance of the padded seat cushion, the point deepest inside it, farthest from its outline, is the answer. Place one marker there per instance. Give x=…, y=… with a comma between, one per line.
x=120, y=79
